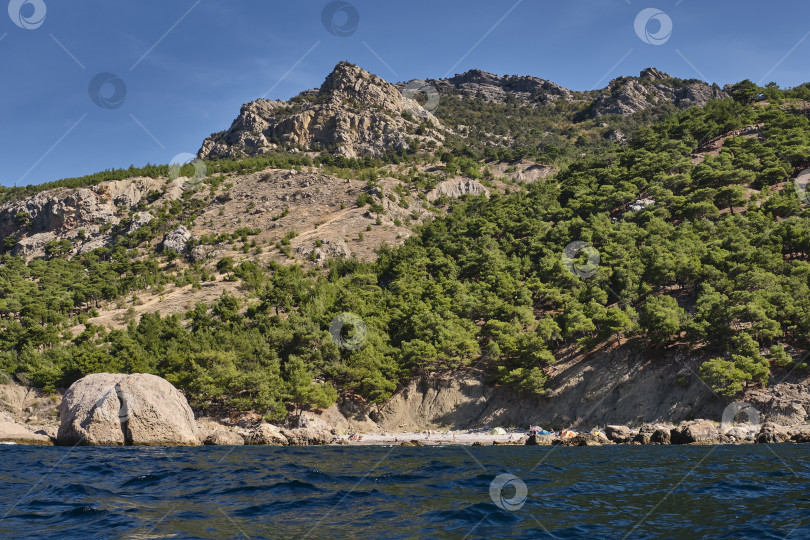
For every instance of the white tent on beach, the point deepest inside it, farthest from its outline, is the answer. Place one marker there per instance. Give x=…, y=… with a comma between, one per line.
x=498, y=431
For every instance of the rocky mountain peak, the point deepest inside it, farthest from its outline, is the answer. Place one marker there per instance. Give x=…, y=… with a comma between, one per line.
x=354, y=113
x=349, y=82
x=628, y=95
x=349, y=79
x=654, y=74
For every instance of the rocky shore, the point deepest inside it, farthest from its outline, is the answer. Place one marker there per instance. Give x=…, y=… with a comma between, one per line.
x=145, y=410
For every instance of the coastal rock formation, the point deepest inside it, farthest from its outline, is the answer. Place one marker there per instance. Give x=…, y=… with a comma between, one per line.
x=13, y=432
x=115, y=409
x=222, y=437
x=584, y=439
x=619, y=434
x=628, y=388
x=773, y=433
x=266, y=434
x=661, y=436
x=695, y=432
x=786, y=404
x=540, y=440
x=310, y=430
x=354, y=113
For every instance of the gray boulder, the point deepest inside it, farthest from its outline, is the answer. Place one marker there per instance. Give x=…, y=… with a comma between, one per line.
x=740, y=434
x=771, y=433
x=661, y=436
x=177, y=239
x=117, y=409
x=540, y=440
x=619, y=434
x=310, y=431
x=644, y=435
x=222, y=437
x=695, y=432
x=585, y=439
x=266, y=434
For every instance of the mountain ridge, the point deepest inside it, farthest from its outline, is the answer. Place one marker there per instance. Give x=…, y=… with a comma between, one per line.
x=356, y=114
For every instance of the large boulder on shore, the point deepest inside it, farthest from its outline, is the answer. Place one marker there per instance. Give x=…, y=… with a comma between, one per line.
x=266, y=434
x=310, y=430
x=222, y=437
x=117, y=409
x=619, y=434
x=695, y=432
x=771, y=433
x=13, y=432
x=540, y=440
x=584, y=439
x=801, y=434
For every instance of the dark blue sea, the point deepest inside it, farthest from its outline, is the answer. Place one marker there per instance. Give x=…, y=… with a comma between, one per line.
x=393, y=492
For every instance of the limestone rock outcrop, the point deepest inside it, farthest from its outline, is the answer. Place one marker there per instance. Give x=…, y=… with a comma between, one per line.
x=628, y=95
x=82, y=216
x=116, y=409
x=177, y=240
x=456, y=188
x=354, y=113
x=623, y=96
x=480, y=84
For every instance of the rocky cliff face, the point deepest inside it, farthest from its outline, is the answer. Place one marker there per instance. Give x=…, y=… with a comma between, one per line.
x=614, y=387
x=82, y=215
x=617, y=387
x=354, y=113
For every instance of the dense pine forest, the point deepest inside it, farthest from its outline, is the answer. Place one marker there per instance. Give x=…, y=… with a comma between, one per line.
x=716, y=260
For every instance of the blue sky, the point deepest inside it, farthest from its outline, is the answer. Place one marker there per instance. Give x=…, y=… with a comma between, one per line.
x=188, y=65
